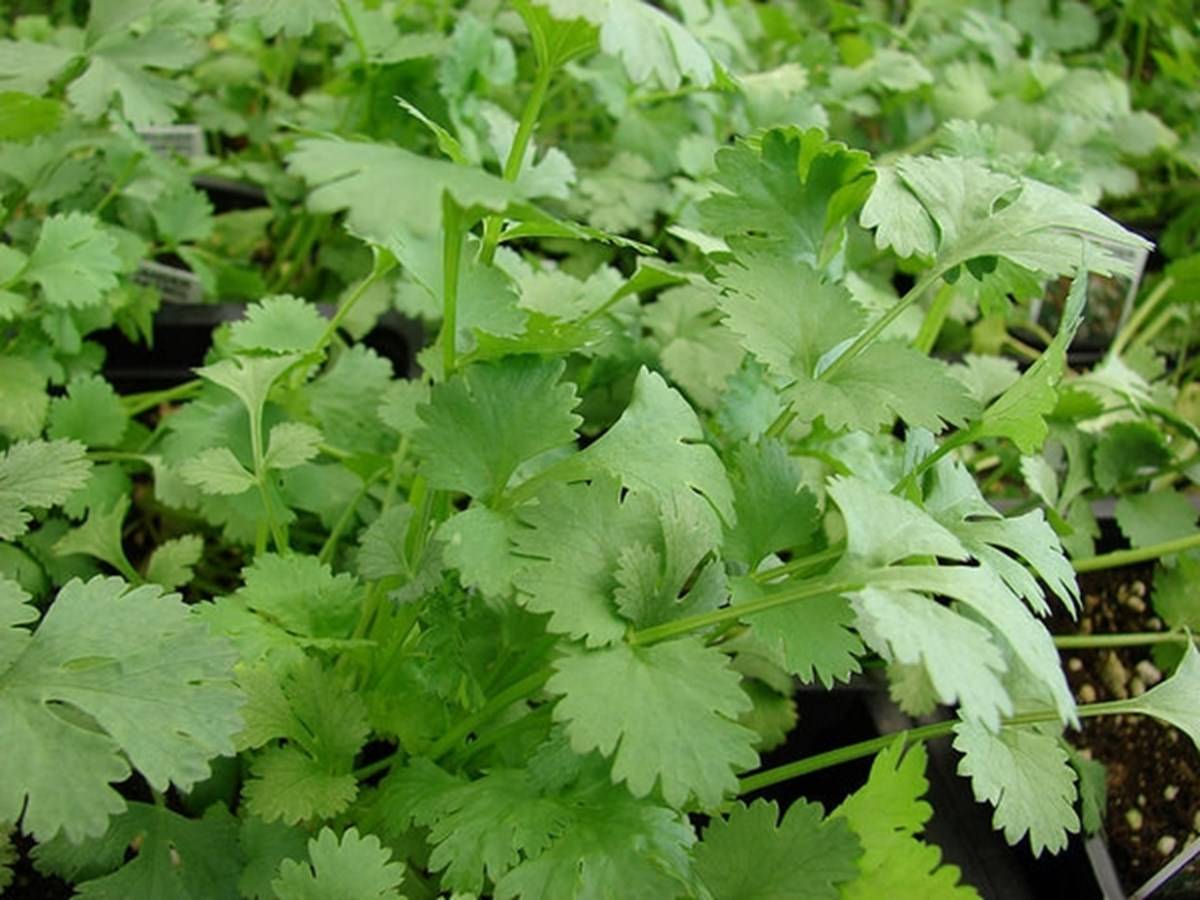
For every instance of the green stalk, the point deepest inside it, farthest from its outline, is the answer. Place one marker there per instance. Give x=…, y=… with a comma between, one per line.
x=139, y=403
x=935, y=318
x=516, y=154
x=355, y=34
x=118, y=185
x=1119, y=558
x=343, y=521
x=1103, y=641
x=667, y=630
x=452, y=243
x=1140, y=315
x=801, y=563
x=518, y=690
x=346, y=306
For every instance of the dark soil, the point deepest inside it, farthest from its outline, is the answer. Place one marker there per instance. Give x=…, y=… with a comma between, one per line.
x=1153, y=806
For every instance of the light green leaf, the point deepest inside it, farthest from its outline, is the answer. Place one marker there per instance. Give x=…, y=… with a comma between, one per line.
x=883, y=528
x=487, y=420
x=353, y=866
x=1155, y=517
x=75, y=261
x=295, y=18
x=1027, y=776
x=30, y=67
x=100, y=536
x=172, y=561
x=653, y=47
x=479, y=542
x=23, y=116
x=280, y=323
x=1174, y=700
x=1126, y=450
x=249, y=378
x=665, y=713
x=155, y=689
x=91, y=412
x=887, y=814
x=37, y=475
x=1175, y=596
x=290, y=444
x=750, y=855
x=774, y=510
x=25, y=400
x=217, y=471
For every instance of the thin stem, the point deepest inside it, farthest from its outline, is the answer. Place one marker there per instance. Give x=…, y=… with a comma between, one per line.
x=343, y=521
x=657, y=633
x=139, y=403
x=517, y=691
x=801, y=563
x=452, y=243
x=118, y=185
x=952, y=443
x=1140, y=315
x=345, y=307
x=516, y=154
x=355, y=34
x=1101, y=641
x=1119, y=558
x=935, y=318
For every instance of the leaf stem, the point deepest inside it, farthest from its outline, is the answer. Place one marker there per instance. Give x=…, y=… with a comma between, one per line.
x=518, y=690
x=1119, y=558
x=935, y=317
x=667, y=630
x=1135, y=639
x=139, y=403
x=1140, y=315
x=346, y=305
x=119, y=185
x=452, y=243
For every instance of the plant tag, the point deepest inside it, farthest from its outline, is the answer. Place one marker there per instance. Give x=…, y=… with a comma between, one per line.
x=174, y=284
x=174, y=140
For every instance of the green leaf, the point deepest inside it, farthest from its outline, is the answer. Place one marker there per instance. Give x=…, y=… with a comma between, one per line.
x=30, y=67
x=172, y=561
x=1027, y=776
x=295, y=18
x=750, y=855
x=137, y=679
x=291, y=444
x=1019, y=413
x=791, y=190
x=125, y=42
x=956, y=210
x=962, y=663
x=887, y=814
x=572, y=550
x=173, y=858
x=883, y=528
x=1126, y=450
x=794, y=321
x=345, y=400
x=264, y=846
x=25, y=401
x=1174, y=700
x=91, y=412
x=280, y=323
x=657, y=447
x=1155, y=517
x=183, y=214
x=217, y=471
x=353, y=866
x=479, y=543
x=665, y=713
x=38, y=475
x=485, y=421
x=1175, y=596
x=324, y=726
x=23, y=116
x=774, y=510
x=8, y=857
x=653, y=47
x=75, y=261
x=101, y=536
x=556, y=42
x=249, y=378
x=381, y=186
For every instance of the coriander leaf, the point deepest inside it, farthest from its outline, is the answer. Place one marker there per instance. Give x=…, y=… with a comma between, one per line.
x=399, y=403
x=572, y=547
x=485, y=421
x=345, y=400
x=264, y=846
x=290, y=444
x=324, y=726
x=1155, y=517
x=8, y=858
x=23, y=116
x=750, y=855
x=811, y=639
x=173, y=858
x=91, y=412
x=217, y=471
x=23, y=411
x=281, y=323
x=353, y=866
x=75, y=261
x=249, y=378
x=792, y=320
x=30, y=67
x=672, y=720
x=488, y=826
x=887, y=814
x=653, y=47
x=156, y=688
x=657, y=446
x=1019, y=413
x=125, y=39
x=101, y=536
x=37, y=474
x=883, y=528
x=1175, y=596
x=791, y=190
x=1174, y=700
x=1125, y=450
x=956, y=502
x=295, y=18
x=479, y=542
x=172, y=561
x=550, y=176
x=1026, y=775
x=613, y=846
x=381, y=185
x=962, y=663
x=976, y=212
x=182, y=215
x=774, y=510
